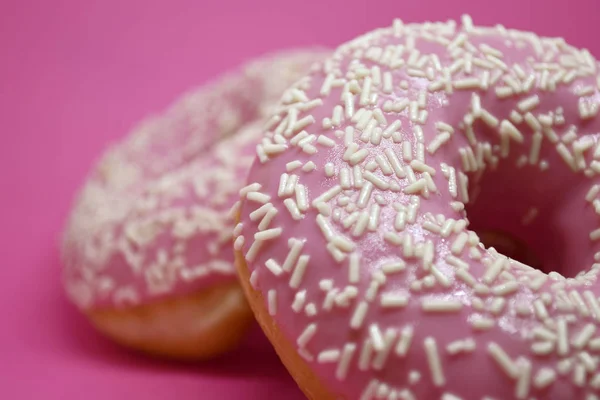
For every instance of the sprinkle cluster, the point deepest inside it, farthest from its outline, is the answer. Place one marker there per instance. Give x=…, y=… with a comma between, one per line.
x=354, y=228
x=153, y=218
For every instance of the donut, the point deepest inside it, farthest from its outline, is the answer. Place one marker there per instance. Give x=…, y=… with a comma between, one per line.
x=371, y=280
x=147, y=252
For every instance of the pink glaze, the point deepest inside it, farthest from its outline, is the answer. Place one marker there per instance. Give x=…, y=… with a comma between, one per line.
x=370, y=267
x=153, y=219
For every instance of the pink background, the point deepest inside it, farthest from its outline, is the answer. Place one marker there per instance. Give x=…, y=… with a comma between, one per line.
x=75, y=74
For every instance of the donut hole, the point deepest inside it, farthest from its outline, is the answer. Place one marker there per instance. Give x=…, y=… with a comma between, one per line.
x=538, y=217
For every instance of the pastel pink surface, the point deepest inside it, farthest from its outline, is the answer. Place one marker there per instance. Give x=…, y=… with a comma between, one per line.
x=75, y=75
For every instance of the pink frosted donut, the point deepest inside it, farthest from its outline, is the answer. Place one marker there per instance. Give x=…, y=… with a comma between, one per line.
x=357, y=239
x=147, y=250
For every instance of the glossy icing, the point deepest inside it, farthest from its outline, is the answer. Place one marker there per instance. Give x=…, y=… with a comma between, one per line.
x=153, y=219
x=367, y=262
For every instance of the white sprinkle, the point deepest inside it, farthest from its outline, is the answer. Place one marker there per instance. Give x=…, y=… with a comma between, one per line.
x=268, y=234
x=345, y=181
x=359, y=315
x=328, y=356
x=503, y=360
x=254, y=279
x=595, y=234
x=589, y=362
x=258, y=197
x=299, y=270
x=383, y=354
x=290, y=186
x=328, y=195
x=406, y=151
x=303, y=123
x=387, y=82
x=344, y=361
x=301, y=197
x=544, y=378
x=309, y=166
x=533, y=122
x=404, y=342
x=529, y=103
x=374, y=217
x=253, y=250
x=461, y=346
x=489, y=119
x=592, y=303
x=578, y=300
x=467, y=83
x=335, y=252
x=434, y=361
x=282, y=184
x=329, y=170
x=366, y=353
x=274, y=267
x=419, y=166
x=394, y=126
x=342, y=243
x=542, y=348
x=390, y=300
x=375, y=180
x=361, y=224
x=448, y=227
x=503, y=92
x=431, y=227
x=450, y=396
x=562, y=335
x=365, y=194
x=505, y=288
x=459, y=243
x=463, y=184
x=495, y=269
x=466, y=277
x=507, y=128
x=416, y=187
x=292, y=207
x=292, y=257
x=408, y=248
x=566, y=156
x=524, y=378
x=376, y=337
x=582, y=338
x=348, y=105
x=395, y=162
x=438, y=142
x=272, y=302
x=535, y=148
x=354, y=268
x=238, y=244
x=370, y=390
x=366, y=91
x=540, y=310
x=427, y=263
x=261, y=211
x=271, y=149
x=310, y=310
x=383, y=163
x=299, y=300
x=254, y=187
x=325, y=141
x=358, y=157
x=306, y=335
x=543, y=333
x=441, y=305
x=444, y=127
